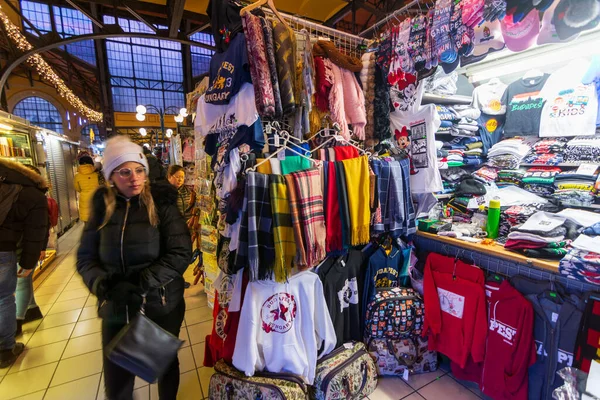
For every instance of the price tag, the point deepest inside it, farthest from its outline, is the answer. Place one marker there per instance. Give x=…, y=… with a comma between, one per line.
x=587, y=169
x=348, y=346
x=281, y=155
x=276, y=140
x=343, y=263
x=554, y=317
x=405, y=374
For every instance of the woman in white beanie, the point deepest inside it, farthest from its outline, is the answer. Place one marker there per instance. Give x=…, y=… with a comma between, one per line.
x=136, y=242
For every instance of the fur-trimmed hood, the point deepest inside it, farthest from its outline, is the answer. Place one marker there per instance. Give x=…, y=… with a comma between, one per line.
x=17, y=173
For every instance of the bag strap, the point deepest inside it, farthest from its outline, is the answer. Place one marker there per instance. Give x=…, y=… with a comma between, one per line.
x=355, y=395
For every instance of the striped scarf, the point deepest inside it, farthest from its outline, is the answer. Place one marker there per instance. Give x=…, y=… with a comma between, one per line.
x=307, y=185
x=283, y=231
x=300, y=259
x=261, y=249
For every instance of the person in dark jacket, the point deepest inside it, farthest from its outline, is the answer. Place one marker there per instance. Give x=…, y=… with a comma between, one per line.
x=156, y=170
x=23, y=222
x=136, y=245
x=185, y=197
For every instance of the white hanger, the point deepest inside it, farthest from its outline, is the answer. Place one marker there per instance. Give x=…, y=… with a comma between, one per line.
x=283, y=148
x=532, y=73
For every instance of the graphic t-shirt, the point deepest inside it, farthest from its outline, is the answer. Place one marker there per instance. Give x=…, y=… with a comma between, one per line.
x=524, y=105
x=340, y=277
x=422, y=126
x=491, y=129
x=228, y=72
x=488, y=97
x=571, y=107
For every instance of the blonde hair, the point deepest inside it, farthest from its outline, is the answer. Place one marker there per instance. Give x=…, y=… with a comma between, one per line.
x=146, y=200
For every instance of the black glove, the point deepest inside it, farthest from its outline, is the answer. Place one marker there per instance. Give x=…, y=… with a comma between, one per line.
x=125, y=293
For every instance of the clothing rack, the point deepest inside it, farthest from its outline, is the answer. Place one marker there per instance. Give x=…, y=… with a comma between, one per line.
x=389, y=17
x=347, y=42
x=498, y=265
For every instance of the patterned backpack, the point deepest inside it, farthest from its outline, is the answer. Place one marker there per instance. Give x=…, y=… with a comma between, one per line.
x=393, y=327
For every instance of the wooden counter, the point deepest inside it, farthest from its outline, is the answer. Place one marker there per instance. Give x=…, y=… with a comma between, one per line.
x=495, y=250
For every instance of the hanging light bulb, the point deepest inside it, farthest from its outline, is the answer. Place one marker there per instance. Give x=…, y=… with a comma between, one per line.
x=179, y=118
x=143, y=131
x=141, y=109
x=183, y=112
x=169, y=133
x=140, y=117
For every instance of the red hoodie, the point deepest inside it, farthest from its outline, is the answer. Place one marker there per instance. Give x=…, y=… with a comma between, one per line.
x=510, y=348
x=455, y=309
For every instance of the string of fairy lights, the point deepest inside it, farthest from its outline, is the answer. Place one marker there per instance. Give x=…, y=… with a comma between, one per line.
x=46, y=72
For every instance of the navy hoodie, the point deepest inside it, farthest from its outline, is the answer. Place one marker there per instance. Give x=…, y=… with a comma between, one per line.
x=557, y=320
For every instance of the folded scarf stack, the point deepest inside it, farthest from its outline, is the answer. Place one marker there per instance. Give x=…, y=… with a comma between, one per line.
x=584, y=148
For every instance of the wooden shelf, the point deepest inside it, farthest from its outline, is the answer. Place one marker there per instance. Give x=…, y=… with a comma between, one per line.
x=429, y=98
x=561, y=165
x=495, y=250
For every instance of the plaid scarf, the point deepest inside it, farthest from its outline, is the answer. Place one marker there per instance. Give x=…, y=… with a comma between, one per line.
x=382, y=171
x=332, y=212
x=340, y=177
x=359, y=199
x=261, y=249
x=307, y=185
x=300, y=258
x=283, y=231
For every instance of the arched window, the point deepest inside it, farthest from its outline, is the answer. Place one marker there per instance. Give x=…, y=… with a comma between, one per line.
x=39, y=112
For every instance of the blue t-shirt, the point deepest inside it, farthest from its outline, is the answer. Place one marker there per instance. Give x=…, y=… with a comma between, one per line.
x=228, y=72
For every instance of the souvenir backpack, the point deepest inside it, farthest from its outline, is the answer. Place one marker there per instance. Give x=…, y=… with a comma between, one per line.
x=393, y=327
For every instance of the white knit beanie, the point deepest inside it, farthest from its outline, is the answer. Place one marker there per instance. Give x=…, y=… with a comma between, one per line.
x=119, y=150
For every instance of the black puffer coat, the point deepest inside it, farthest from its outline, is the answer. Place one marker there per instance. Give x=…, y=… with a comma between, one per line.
x=128, y=247
x=27, y=220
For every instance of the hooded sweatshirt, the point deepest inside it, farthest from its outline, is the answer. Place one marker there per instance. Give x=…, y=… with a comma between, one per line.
x=510, y=349
x=283, y=326
x=557, y=319
x=455, y=309
x=86, y=183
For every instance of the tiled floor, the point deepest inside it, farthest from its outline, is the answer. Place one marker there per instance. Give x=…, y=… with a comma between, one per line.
x=63, y=356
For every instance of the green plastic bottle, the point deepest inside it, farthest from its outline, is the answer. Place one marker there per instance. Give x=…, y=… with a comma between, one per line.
x=493, y=221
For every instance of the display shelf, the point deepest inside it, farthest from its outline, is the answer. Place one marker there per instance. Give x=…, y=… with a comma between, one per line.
x=20, y=159
x=495, y=250
x=443, y=99
x=561, y=165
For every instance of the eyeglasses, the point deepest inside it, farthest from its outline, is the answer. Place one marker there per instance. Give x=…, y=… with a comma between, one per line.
x=127, y=172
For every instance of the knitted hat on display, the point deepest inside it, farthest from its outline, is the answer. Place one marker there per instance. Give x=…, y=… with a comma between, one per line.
x=119, y=150
x=571, y=17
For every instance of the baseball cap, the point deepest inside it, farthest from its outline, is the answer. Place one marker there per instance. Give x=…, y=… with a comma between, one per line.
x=488, y=38
x=574, y=16
x=548, y=32
x=522, y=35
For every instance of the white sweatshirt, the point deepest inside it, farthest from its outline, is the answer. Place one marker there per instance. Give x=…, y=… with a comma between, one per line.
x=282, y=326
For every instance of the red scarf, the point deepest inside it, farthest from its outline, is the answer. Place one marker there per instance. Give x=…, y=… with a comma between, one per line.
x=323, y=86
x=345, y=153
x=332, y=213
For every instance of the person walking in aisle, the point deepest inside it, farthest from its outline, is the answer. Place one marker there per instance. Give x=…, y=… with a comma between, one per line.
x=86, y=182
x=156, y=171
x=136, y=243
x=24, y=220
x=27, y=308
x=185, y=197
